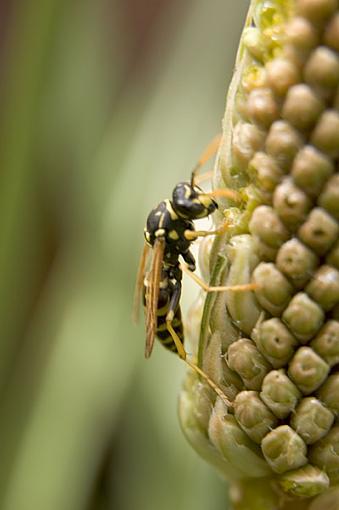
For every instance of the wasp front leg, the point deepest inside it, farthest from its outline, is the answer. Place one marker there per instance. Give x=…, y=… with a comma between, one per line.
x=192, y=235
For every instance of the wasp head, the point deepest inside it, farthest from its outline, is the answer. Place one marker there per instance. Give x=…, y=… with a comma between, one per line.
x=192, y=202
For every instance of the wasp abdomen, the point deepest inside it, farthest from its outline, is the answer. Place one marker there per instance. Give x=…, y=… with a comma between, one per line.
x=163, y=308
x=164, y=335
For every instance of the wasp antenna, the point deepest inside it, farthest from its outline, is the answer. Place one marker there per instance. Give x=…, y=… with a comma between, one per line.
x=226, y=193
x=208, y=153
x=203, y=177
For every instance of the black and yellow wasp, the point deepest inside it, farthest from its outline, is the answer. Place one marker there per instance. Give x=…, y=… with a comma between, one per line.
x=169, y=233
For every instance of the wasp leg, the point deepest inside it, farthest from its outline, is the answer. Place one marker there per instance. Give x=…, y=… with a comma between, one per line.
x=189, y=259
x=208, y=288
x=191, y=235
x=211, y=383
x=208, y=153
x=183, y=355
x=173, y=305
x=180, y=348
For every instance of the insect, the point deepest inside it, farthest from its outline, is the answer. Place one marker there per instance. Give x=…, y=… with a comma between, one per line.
x=169, y=233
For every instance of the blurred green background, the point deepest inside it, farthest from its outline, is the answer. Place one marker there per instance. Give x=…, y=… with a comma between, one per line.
x=104, y=106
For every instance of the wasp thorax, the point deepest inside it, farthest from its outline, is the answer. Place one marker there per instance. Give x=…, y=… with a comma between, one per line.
x=191, y=202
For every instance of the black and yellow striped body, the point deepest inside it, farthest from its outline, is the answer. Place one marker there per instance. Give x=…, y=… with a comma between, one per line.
x=163, y=222
x=164, y=301
x=170, y=232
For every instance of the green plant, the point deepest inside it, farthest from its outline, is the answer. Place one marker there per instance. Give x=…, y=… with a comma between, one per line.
x=274, y=352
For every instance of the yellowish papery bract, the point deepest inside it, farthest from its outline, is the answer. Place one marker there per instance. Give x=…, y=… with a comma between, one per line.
x=275, y=351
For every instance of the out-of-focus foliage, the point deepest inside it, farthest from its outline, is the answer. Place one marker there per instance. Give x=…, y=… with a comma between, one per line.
x=105, y=105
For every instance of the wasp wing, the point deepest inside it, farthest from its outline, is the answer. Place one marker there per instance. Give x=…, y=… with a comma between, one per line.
x=139, y=284
x=152, y=294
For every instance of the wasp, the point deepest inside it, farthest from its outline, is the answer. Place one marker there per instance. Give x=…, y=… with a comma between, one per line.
x=169, y=233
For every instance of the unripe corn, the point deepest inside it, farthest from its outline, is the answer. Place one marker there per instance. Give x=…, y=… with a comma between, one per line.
x=312, y=420
x=244, y=358
x=279, y=393
x=284, y=449
x=325, y=454
x=326, y=343
x=296, y=262
x=328, y=393
x=329, y=196
x=303, y=317
x=307, y=370
x=306, y=482
x=274, y=290
x=253, y=416
x=274, y=341
x=275, y=350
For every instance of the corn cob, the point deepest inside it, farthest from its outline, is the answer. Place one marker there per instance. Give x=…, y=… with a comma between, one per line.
x=275, y=351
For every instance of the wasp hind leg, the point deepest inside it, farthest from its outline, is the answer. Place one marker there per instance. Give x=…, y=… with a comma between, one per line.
x=181, y=350
x=183, y=355
x=172, y=308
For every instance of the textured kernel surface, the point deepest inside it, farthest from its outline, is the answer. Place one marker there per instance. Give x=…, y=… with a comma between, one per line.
x=280, y=149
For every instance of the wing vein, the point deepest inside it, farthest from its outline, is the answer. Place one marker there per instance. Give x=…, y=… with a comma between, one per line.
x=152, y=294
x=140, y=282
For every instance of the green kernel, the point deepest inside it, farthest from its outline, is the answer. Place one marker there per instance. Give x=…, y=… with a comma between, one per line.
x=325, y=136
x=279, y=393
x=303, y=317
x=311, y=169
x=322, y=71
x=281, y=75
x=320, y=231
x=302, y=107
x=312, y=420
x=331, y=36
x=324, y=287
x=283, y=142
x=265, y=224
x=305, y=482
x=274, y=291
x=329, y=198
x=328, y=393
x=316, y=10
x=264, y=170
x=274, y=341
x=244, y=358
x=284, y=449
x=326, y=343
x=297, y=262
x=291, y=204
x=253, y=416
x=262, y=108
x=325, y=454
x=308, y=370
